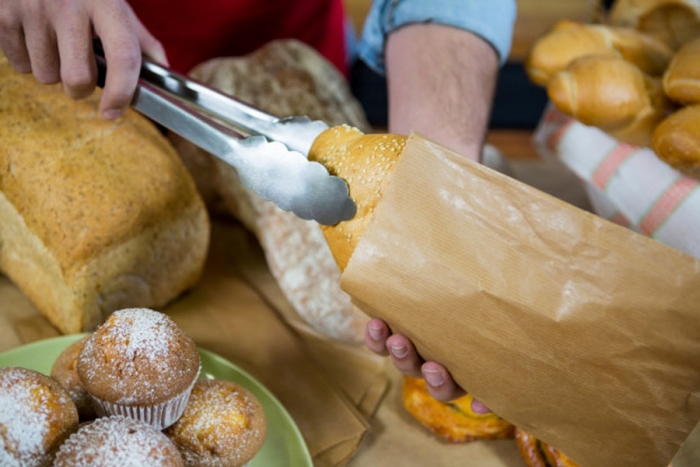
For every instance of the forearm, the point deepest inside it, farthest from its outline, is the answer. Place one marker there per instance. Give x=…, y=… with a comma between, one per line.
x=441, y=82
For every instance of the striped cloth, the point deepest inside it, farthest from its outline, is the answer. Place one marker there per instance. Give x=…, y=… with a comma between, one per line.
x=626, y=184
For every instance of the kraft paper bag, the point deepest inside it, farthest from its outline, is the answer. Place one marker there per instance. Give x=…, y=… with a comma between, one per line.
x=581, y=332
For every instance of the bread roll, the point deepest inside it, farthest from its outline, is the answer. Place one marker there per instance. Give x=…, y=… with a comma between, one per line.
x=613, y=95
x=570, y=40
x=673, y=22
x=284, y=78
x=676, y=141
x=366, y=162
x=94, y=215
x=681, y=81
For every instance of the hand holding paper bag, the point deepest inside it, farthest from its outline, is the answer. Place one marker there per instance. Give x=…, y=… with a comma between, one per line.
x=440, y=384
x=581, y=332
x=367, y=162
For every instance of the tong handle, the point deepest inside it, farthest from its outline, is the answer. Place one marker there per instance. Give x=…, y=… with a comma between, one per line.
x=297, y=133
x=224, y=106
x=173, y=115
x=268, y=168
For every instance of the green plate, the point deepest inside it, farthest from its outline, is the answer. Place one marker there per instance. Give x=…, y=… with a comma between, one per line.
x=283, y=446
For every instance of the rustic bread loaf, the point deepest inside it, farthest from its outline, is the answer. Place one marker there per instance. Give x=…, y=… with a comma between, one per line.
x=284, y=78
x=94, y=215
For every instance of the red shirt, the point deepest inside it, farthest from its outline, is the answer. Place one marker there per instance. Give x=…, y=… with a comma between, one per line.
x=194, y=31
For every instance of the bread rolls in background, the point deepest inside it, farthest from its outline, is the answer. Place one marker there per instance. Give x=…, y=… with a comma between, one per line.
x=673, y=22
x=676, y=141
x=569, y=40
x=94, y=215
x=681, y=80
x=284, y=78
x=582, y=66
x=612, y=94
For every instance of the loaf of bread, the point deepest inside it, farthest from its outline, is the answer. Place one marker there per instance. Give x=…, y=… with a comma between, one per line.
x=284, y=78
x=613, y=95
x=94, y=215
x=681, y=81
x=676, y=141
x=673, y=22
x=569, y=40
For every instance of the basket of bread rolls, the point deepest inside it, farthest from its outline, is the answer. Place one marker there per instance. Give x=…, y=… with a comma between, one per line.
x=624, y=113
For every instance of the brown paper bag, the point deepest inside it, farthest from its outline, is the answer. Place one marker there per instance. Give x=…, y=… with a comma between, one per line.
x=581, y=332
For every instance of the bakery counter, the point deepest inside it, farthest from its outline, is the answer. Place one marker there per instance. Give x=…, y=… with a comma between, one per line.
x=345, y=400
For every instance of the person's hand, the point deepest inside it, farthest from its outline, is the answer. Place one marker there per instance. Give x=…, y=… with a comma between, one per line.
x=53, y=40
x=380, y=340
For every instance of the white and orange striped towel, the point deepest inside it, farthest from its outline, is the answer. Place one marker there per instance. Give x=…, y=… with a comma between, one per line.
x=626, y=184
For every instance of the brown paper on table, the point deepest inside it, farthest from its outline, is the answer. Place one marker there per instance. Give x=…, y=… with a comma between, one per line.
x=579, y=331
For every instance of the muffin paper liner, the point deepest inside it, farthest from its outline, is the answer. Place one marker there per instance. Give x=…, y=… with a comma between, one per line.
x=160, y=416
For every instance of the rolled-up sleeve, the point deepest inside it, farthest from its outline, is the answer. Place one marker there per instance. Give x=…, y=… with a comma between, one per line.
x=492, y=20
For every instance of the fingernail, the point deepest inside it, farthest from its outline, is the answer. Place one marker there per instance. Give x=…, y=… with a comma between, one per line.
x=434, y=378
x=399, y=351
x=111, y=114
x=375, y=332
x=479, y=408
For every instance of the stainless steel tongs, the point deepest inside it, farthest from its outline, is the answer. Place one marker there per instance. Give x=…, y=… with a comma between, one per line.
x=270, y=159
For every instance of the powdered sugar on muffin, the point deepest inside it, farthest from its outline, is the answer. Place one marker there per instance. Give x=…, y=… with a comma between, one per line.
x=139, y=363
x=117, y=442
x=224, y=425
x=36, y=415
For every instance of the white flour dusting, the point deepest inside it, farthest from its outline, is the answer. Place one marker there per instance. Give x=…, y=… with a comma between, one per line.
x=24, y=417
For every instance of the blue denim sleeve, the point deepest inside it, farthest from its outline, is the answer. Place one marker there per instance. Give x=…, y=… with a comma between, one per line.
x=490, y=19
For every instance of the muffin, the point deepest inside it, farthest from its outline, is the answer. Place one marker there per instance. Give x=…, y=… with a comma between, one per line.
x=65, y=372
x=139, y=364
x=224, y=425
x=36, y=416
x=117, y=441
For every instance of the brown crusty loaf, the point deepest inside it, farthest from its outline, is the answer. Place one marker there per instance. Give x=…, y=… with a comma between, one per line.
x=569, y=40
x=676, y=140
x=681, y=80
x=284, y=78
x=366, y=162
x=94, y=215
x=613, y=95
x=673, y=22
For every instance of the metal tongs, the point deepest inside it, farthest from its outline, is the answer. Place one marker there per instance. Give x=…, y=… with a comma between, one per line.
x=270, y=160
